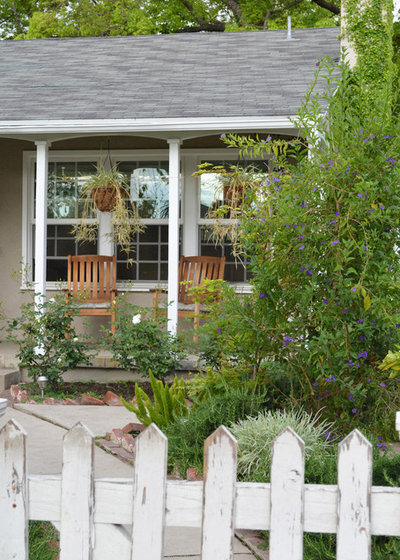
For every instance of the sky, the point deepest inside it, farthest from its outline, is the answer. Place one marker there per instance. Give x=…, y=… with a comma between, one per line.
x=396, y=9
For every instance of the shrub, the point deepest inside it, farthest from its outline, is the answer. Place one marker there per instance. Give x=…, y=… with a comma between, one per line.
x=186, y=437
x=40, y=333
x=321, y=234
x=169, y=403
x=255, y=436
x=141, y=341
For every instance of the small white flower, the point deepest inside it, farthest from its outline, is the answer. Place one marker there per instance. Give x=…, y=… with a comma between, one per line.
x=75, y=339
x=59, y=360
x=136, y=319
x=52, y=300
x=39, y=351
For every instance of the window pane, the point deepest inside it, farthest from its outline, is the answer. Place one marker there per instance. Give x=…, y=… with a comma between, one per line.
x=126, y=273
x=148, y=252
x=87, y=248
x=234, y=270
x=211, y=184
x=56, y=270
x=148, y=182
x=148, y=271
x=149, y=235
x=65, y=247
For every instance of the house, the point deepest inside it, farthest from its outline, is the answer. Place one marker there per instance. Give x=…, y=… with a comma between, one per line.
x=158, y=106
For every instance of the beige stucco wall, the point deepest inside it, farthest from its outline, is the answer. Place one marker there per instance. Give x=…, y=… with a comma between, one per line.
x=11, y=223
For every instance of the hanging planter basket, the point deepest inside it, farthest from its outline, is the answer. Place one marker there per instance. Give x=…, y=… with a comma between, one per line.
x=105, y=198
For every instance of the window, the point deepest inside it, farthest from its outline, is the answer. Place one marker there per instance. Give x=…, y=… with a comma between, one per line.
x=147, y=176
x=148, y=182
x=211, y=194
x=64, y=208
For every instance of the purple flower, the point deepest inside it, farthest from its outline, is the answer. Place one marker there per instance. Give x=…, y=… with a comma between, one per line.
x=351, y=398
x=302, y=247
x=362, y=337
x=325, y=300
x=219, y=330
x=309, y=272
x=261, y=295
x=360, y=195
x=382, y=206
x=354, y=410
x=354, y=289
x=362, y=354
x=334, y=242
x=382, y=384
x=368, y=381
x=318, y=64
x=328, y=379
x=351, y=364
x=314, y=188
x=398, y=326
x=360, y=320
x=269, y=138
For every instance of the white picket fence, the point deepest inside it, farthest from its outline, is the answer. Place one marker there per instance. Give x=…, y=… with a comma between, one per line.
x=106, y=519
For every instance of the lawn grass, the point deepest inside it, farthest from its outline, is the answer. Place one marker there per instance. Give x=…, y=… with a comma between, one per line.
x=43, y=541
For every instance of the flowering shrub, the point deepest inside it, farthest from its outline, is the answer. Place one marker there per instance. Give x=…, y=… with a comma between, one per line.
x=41, y=335
x=141, y=341
x=323, y=236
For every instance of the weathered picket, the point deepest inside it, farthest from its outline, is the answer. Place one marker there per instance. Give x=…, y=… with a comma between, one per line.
x=101, y=519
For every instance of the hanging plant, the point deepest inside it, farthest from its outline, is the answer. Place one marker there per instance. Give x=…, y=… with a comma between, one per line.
x=107, y=191
x=234, y=182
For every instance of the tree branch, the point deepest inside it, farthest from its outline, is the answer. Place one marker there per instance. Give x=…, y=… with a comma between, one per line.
x=270, y=12
x=328, y=6
x=17, y=20
x=203, y=24
x=233, y=5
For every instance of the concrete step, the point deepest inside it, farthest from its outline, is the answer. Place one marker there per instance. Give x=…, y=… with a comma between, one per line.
x=8, y=377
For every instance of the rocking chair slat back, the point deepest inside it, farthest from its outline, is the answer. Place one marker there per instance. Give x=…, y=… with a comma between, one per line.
x=194, y=270
x=92, y=278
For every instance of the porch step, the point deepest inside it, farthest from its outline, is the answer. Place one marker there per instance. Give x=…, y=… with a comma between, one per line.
x=8, y=377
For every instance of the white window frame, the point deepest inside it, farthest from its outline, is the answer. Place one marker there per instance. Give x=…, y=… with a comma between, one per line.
x=189, y=157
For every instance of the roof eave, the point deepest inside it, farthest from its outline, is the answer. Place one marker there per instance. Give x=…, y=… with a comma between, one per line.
x=130, y=126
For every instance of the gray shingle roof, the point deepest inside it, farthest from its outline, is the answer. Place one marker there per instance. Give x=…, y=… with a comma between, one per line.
x=184, y=75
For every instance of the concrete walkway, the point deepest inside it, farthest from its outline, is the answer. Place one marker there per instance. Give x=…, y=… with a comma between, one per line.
x=46, y=426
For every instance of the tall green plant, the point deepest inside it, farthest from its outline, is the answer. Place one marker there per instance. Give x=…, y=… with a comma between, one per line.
x=322, y=237
x=169, y=402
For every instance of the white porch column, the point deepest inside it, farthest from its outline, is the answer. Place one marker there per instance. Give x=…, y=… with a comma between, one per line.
x=42, y=148
x=190, y=244
x=173, y=233
x=105, y=243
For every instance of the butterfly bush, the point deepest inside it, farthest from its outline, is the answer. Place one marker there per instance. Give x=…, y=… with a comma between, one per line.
x=322, y=234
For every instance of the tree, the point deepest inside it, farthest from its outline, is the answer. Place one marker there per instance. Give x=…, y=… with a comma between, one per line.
x=65, y=18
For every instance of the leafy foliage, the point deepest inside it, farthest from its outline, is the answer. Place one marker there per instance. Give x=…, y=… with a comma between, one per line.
x=186, y=437
x=35, y=19
x=125, y=221
x=322, y=235
x=169, y=403
x=141, y=341
x=41, y=336
x=255, y=436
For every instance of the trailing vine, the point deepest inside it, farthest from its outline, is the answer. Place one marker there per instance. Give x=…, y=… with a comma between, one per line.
x=368, y=26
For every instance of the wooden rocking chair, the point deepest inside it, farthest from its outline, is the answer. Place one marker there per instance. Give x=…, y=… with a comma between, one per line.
x=92, y=283
x=192, y=273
